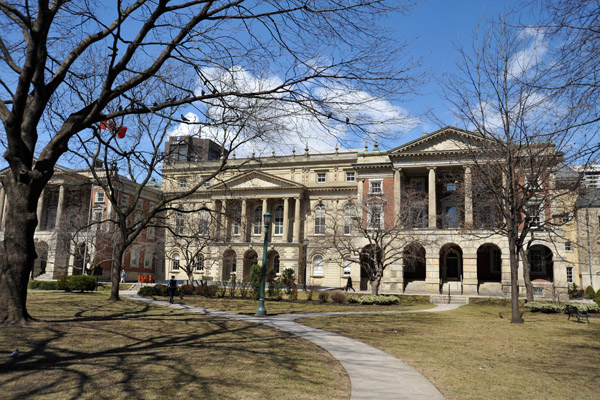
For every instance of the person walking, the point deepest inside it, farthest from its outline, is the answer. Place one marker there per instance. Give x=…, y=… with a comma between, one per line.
x=349, y=284
x=172, y=285
x=123, y=276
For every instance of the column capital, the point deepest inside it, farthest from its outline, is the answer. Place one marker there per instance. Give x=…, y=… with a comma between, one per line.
x=431, y=168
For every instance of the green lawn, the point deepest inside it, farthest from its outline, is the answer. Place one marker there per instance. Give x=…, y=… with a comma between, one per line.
x=274, y=307
x=85, y=347
x=476, y=353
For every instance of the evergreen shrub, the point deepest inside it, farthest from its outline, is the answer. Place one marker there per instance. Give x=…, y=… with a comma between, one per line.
x=589, y=293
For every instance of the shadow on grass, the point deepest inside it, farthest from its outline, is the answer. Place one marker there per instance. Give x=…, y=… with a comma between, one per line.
x=143, y=351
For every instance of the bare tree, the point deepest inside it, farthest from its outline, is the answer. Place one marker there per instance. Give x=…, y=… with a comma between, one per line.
x=370, y=236
x=191, y=234
x=67, y=66
x=523, y=135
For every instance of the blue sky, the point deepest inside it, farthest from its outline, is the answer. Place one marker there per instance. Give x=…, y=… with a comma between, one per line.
x=435, y=26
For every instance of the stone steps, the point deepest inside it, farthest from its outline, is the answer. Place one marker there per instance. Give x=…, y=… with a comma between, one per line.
x=445, y=299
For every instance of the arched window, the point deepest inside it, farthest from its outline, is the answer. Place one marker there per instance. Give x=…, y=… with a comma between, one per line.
x=318, y=265
x=320, y=219
x=278, y=221
x=176, y=259
x=349, y=218
x=257, y=226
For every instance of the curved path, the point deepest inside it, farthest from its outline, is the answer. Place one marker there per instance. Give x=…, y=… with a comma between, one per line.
x=374, y=374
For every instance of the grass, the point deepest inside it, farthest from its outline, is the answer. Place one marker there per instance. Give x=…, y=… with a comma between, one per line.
x=275, y=307
x=473, y=353
x=85, y=347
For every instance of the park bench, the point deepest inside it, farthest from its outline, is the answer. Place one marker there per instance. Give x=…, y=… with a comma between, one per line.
x=575, y=312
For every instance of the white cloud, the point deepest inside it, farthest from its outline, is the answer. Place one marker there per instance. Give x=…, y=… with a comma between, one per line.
x=535, y=47
x=274, y=123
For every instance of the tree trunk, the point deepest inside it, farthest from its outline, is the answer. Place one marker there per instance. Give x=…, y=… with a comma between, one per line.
x=18, y=250
x=514, y=281
x=375, y=285
x=527, y=276
x=116, y=272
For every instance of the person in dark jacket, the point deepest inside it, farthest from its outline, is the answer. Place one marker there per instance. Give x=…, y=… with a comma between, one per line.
x=349, y=285
x=172, y=285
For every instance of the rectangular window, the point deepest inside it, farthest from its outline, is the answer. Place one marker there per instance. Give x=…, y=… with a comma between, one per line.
x=257, y=225
x=100, y=196
x=135, y=258
x=237, y=221
x=179, y=219
x=124, y=200
x=203, y=223
x=206, y=184
x=568, y=246
x=569, y=274
x=535, y=212
x=182, y=184
x=538, y=291
x=350, y=177
x=375, y=186
x=450, y=186
x=199, y=263
x=148, y=258
x=320, y=220
x=321, y=177
x=278, y=221
x=150, y=232
x=347, y=265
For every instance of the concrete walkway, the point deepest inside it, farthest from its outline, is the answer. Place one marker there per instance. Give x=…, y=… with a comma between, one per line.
x=373, y=373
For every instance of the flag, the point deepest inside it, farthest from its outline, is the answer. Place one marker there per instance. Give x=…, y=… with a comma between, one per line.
x=110, y=125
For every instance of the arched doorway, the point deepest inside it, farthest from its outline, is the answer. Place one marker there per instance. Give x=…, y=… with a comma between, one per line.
x=273, y=261
x=489, y=263
x=451, y=266
x=250, y=258
x=541, y=263
x=413, y=259
x=39, y=267
x=229, y=264
x=370, y=256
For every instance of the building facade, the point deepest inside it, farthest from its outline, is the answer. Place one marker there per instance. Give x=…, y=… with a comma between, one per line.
x=75, y=233
x=425, y=191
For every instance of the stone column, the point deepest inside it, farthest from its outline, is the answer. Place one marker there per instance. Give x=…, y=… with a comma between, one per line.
x=59, y=208
x=468, y=198
x=397, y=196
x=40, y=210
x=296, y=238
x=285, y=219
x=361, y=184
x=469, y=272
x=432, y=199
x=225, y=219
x=244, y=222
x=2, y=194
x=432, y=277
x=262, y=228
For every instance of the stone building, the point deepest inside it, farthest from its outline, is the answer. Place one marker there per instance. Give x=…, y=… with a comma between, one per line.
x=74, y=231
x=426, y=190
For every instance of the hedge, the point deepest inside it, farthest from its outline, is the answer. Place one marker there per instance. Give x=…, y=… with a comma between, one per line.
x=370, y=299
x=70, y=283
x=42, y=285
x=548, y=308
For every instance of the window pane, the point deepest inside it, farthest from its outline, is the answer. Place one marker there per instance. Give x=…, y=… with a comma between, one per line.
x=278, y=221
x=318, y=265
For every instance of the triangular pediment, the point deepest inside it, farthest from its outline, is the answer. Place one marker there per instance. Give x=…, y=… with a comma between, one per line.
x=256, y=180
x=445, y=140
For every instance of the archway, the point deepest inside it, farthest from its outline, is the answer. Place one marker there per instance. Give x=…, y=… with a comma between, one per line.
x=39, y=267
x=370, y=256
x=541, y=263
x=250, y=258
x=451, y=263
x=413, y=259
x=229, y=264
x=273, y=260
x=489, y=263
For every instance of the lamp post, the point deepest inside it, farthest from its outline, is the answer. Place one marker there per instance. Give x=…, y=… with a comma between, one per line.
x=261, y=310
